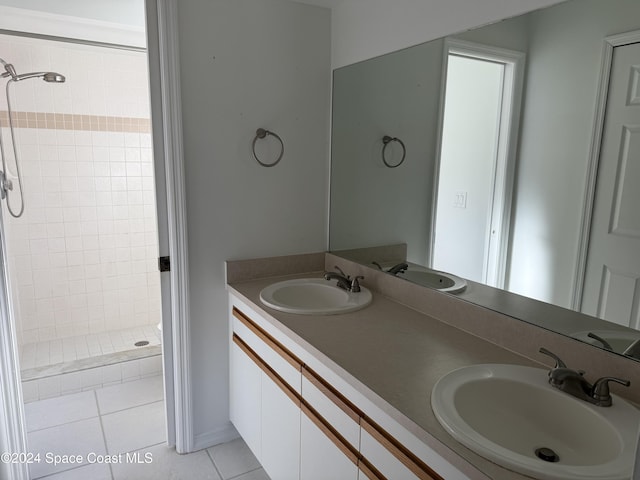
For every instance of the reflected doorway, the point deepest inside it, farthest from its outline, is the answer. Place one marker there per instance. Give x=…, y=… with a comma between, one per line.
x=473, y=187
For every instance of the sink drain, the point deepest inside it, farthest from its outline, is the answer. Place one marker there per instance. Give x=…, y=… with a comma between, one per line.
x=547, y=455
x=141, y=343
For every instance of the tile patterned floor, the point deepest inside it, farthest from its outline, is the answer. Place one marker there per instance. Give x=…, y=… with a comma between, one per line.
x=127, y=418
x=69, y=349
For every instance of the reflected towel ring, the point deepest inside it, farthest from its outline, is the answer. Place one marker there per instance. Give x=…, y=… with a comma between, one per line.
x=386, y=140
x=262, y=133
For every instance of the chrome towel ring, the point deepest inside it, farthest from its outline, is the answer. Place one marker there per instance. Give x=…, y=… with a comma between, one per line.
x=262, y=133
x=386, y=140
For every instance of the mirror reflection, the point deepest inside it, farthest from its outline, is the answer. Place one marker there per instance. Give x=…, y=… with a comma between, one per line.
x=521, y=146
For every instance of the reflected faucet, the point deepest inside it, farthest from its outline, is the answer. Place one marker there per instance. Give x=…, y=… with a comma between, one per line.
x=633, y=350
x=399, y=268
x=605, y=344
x=573, y=382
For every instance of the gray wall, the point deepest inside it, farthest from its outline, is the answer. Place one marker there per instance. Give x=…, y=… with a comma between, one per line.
x=247, y=64
x=554, y=147
x=371, y=204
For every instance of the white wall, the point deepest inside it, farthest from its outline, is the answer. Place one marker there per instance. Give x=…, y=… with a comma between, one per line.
x=364, y=29
x=247, y=64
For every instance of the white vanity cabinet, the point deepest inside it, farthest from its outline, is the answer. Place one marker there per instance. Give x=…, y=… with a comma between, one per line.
x=245, y=385
x=329, y=435
x=265, y=409
x=300, y=426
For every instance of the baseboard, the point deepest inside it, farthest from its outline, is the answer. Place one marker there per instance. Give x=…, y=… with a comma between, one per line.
x=226, y=433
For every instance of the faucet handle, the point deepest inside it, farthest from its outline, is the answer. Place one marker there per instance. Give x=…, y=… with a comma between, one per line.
x=600, y=390
x=339, y=270
x=355, y=284
x=558, y=360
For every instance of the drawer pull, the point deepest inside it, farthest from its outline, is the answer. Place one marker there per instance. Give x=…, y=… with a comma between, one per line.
x=284, y=386
x=268, y=339
x=330, y=433
x=408, y=459
x=332, y=394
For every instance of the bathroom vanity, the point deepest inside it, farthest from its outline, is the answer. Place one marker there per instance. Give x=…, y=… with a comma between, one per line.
x=348, y=396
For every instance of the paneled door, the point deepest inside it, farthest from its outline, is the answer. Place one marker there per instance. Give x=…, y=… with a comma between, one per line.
x=612, y=281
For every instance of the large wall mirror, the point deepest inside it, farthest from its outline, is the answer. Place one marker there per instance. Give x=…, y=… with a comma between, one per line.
x=511, y=159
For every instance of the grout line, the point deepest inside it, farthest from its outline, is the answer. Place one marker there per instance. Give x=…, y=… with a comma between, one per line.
x=104, y=436
x=131, y=408
x=215, y=467
x=242, y=474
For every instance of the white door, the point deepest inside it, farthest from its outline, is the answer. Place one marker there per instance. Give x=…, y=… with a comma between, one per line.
x=612, y=280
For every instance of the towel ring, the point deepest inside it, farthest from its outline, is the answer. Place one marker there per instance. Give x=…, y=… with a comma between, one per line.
x=386, y=140
x=262, y=133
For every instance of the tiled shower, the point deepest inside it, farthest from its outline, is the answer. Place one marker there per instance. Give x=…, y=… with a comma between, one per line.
x=83, y=257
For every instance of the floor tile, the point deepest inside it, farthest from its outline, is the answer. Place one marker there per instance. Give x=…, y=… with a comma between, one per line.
x=233, y=458
x=135, y=428
x=93, y=472
x=258, y=474
x=60, y=410
x=167, y=464
x=130, y=394
x=77, y=438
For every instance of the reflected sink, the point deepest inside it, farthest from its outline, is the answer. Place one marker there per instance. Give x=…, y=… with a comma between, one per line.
x=445, y=282
x=313, y=296
x=509, y=414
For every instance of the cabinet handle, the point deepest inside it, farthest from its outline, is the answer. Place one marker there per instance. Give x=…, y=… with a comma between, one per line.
x=284, y=386
x=407, y=458
x=370, y=471
x=332, y=394
x=268, y=339
x=330, y=433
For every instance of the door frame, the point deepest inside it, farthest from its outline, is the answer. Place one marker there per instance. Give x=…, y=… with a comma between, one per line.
x=494, y=270
x=13, y=434
x=162, y=49
x=609, y=44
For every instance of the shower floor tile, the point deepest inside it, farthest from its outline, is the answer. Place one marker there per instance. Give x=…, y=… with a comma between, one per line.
x=69, y=349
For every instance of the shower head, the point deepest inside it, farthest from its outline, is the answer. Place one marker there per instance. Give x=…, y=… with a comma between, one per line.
x=51, y=77
x=10, y=71
x=54, y=77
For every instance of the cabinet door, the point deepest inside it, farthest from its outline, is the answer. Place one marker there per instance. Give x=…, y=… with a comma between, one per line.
x=245, y=397
x=321, y=454
x=382, y=459
x=280, y=430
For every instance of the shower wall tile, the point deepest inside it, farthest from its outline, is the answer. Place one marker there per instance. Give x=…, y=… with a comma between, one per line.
x=82, y=258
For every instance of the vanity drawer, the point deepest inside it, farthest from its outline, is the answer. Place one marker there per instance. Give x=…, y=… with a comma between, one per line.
x=391, y=460
x=341, y=414
x=279, y=359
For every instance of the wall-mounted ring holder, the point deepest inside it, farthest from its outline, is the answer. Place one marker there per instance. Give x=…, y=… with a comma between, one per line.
x=387, y=140
x=260, y=134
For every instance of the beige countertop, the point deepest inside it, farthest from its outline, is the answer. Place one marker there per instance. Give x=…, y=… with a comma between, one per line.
x=395, y=352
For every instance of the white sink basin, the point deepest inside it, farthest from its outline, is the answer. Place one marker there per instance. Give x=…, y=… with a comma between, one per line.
x=313, y=296
x=445, y=282
x=506, y=413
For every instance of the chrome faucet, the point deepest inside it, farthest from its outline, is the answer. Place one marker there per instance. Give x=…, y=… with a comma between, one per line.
x=344, y=281
x=573, y=382
x=399, y=268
